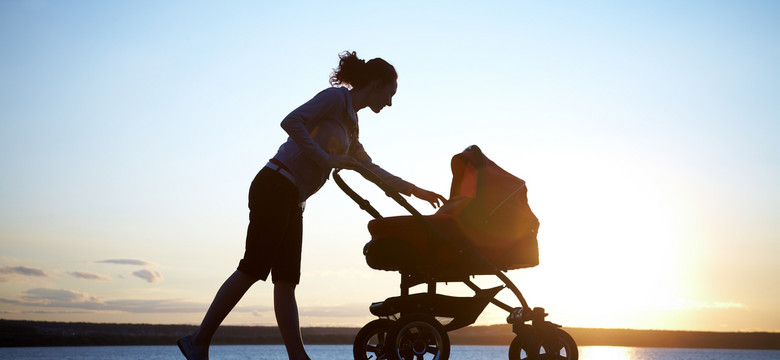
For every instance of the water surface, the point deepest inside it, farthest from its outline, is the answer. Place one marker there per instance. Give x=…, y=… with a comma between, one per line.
x=342, y=352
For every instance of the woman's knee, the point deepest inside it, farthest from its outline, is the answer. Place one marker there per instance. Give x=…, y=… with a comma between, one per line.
x=285, y=286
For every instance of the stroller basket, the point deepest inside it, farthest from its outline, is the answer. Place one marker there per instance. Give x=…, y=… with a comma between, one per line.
x=487, y=211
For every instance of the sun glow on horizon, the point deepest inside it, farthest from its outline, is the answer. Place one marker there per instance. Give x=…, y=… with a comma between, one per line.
x=609, y=240
x=606, y=353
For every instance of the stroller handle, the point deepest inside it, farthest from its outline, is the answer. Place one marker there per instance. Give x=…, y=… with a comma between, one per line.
x=364, y=204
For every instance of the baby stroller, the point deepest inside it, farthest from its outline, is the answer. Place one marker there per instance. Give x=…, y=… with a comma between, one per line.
x=485, y=228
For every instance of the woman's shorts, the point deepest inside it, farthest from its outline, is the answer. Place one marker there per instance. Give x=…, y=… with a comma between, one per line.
x=275, y=232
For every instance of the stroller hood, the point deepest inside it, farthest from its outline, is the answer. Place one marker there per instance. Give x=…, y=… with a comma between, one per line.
x=492, y=206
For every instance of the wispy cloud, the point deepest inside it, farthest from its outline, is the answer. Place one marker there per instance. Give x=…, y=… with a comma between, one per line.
x=254, y=310
x=42, y=294
x=152, y=276
x=126, y=262
x=69, y=299
x=46, y=312
x=89, y=276
x=345, y=310
x=155, y=306
x=9, y=272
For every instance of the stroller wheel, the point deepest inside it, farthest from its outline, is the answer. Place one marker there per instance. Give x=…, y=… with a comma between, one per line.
x=418, y=337
x=370, y=340
x=559, y=347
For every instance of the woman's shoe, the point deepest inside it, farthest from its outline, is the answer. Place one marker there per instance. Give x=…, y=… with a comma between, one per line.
x=187, y=348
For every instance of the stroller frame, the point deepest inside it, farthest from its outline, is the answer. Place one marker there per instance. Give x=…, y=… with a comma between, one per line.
x=408, y=328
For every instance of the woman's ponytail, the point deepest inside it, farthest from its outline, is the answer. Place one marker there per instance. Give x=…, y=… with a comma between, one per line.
x=355, y=72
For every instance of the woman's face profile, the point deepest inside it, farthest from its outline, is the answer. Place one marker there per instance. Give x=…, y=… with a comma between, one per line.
x=382, y=95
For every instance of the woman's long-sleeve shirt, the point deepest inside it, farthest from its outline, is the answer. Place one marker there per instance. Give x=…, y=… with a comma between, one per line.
x=325, y=125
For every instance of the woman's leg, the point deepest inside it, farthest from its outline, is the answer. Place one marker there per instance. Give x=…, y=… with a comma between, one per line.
x=286, y=310
x=227, y=297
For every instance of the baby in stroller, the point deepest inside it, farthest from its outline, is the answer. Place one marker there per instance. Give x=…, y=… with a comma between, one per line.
x=485, y=228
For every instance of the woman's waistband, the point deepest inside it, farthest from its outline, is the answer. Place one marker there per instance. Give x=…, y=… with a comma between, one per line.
x=279, y=167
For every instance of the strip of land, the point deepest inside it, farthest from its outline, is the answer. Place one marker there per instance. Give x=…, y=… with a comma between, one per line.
x=41, y=333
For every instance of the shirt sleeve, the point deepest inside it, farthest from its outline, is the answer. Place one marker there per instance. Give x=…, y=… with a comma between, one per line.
x=401, y=185
x=295, y=124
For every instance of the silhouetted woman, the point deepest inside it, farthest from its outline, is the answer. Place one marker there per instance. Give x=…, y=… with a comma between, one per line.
x=323, y=134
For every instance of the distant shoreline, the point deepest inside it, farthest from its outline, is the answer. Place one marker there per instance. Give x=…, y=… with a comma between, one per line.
x=15, y=333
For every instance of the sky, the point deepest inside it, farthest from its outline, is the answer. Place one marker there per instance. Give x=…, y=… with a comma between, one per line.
x=647, y=134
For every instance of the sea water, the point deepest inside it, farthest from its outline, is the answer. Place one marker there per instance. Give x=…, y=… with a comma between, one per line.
x=344, y=352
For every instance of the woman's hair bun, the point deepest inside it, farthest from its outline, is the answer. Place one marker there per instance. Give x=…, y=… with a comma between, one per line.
x=350, y=70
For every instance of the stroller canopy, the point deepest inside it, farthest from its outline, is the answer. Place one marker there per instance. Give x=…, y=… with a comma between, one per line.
x=487, y=209
x=492, y=206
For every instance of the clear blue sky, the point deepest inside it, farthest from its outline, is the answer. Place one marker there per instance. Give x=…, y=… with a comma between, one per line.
x=648, y=135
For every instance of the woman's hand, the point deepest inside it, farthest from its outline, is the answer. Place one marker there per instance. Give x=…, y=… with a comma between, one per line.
x=341, y=161
x=435, y=199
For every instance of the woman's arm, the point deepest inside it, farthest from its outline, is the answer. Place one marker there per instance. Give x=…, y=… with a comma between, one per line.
x=323, y=104
x=403, y=186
